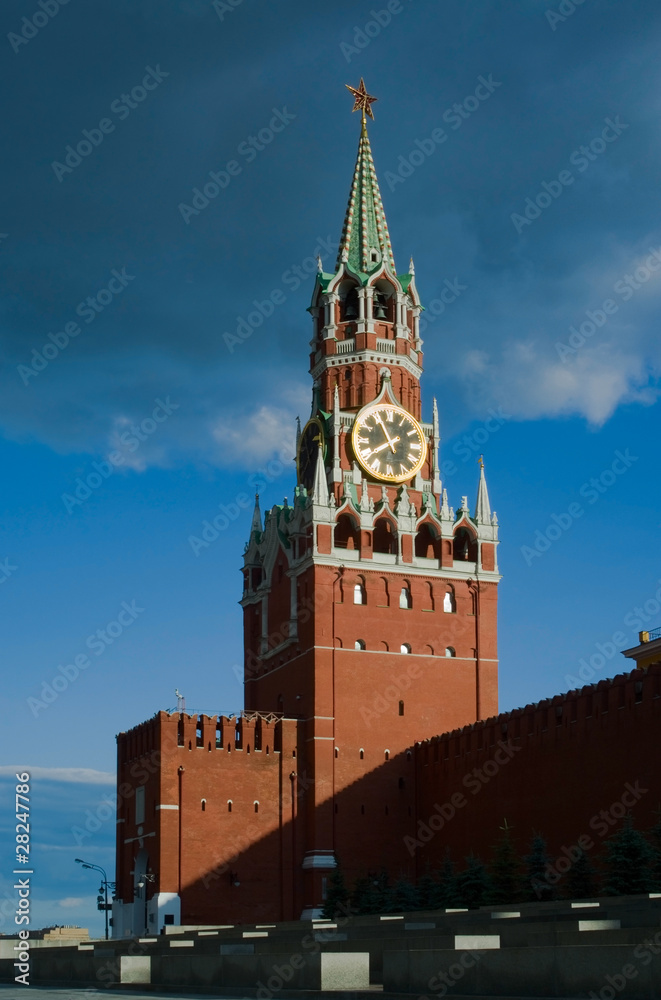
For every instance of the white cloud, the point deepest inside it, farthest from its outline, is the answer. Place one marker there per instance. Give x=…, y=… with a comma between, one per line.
x=531, y=382
x=251, y=439
x=70, y=901
x=73, y=775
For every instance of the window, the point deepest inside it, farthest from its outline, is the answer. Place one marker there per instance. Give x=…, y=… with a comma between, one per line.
x=229, y=805
x=362, y=754
x=449, y=651
x=405, y=598
x=401, y=708
x=405, y=648
x=256, y=805
x=449, y=602
x=204, y=805
x=359, y=594
x=140, y=804
x=359, y=644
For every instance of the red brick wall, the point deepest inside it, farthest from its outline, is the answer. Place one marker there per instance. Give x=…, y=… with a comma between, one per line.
x=550, y=768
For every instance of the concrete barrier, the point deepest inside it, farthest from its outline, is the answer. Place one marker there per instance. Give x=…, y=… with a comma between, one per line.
x=608, y=971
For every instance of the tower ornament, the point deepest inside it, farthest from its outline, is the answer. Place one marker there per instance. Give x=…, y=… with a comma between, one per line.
x=362, y=100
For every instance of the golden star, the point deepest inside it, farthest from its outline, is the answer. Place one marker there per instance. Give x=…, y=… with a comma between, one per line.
x=363, y=99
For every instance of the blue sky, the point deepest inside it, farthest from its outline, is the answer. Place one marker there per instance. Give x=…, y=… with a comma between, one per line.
x=151, y=351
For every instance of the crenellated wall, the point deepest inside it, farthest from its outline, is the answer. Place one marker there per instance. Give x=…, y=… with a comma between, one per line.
x=221, y=805
x=565, y=768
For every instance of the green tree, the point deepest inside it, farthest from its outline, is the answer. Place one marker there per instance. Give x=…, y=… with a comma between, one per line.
x=360, y=896
x=474, y=887
x=404, y=897
x=538, y=886
x=505, y=871
x=337, y=894
x=372, y=893
x=582, y=879
x=429, y=892
x=448, y=895
x=629, y=862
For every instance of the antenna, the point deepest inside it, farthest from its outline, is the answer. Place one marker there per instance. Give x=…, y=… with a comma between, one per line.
x=181, y=701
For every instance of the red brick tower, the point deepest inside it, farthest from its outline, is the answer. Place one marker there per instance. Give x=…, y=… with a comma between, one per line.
x=369, y=605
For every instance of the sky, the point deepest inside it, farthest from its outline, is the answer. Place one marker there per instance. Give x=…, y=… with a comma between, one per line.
x=517, y=147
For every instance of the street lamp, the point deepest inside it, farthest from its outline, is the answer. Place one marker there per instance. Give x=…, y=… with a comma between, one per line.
x=140, y=884
x=104, y=886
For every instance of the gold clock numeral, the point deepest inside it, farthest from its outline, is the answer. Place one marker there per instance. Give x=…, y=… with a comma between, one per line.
x=376, y=465
x=363, y=440
x=389, y=470
x=390, y=416
x=413, y=459
x=365, y=454
x=408, y=434
x=415, y=447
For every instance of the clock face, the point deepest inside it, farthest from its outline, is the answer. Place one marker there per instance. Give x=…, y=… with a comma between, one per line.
x=388, y=443
x=308, y=449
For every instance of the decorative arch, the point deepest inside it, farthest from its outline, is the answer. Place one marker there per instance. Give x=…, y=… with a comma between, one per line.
x=405, y=596
x=346, y=534
x=359, y=644
x=348, y=301
x=384, y=536
x=450, y=651
x=464, y=545
x=384, y=301
x=427, y=542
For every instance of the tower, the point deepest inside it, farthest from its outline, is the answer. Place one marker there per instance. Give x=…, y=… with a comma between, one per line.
x=369, y=604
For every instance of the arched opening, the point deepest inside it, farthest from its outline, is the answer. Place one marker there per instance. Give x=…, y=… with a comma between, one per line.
x=464, y=547
x=362, y=754
x=405, y=648
x=346, y=534
x=449, y=651
x=449, y=600
x=359, y=644
x=425, y=543
x=387, y=755
x=405, y=597
x=359, y=592
x=385, y=537
x=384, y=301
x=401, y=708
x=229, y=805
x=256, y=806
x=204, y=805
x=348, y=303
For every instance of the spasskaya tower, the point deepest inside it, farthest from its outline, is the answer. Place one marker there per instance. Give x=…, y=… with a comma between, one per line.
x=369, y=603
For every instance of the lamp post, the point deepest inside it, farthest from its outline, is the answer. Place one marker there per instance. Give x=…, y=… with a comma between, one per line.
x=104, y=885
x=141, y=884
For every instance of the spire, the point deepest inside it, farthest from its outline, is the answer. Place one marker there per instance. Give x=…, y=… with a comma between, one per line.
x=256, y=517
x=482, y=505
x=320, y=485
x=365, y=227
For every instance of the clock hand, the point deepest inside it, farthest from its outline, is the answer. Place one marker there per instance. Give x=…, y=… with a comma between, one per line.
x=388, y=443
x=383, y=427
